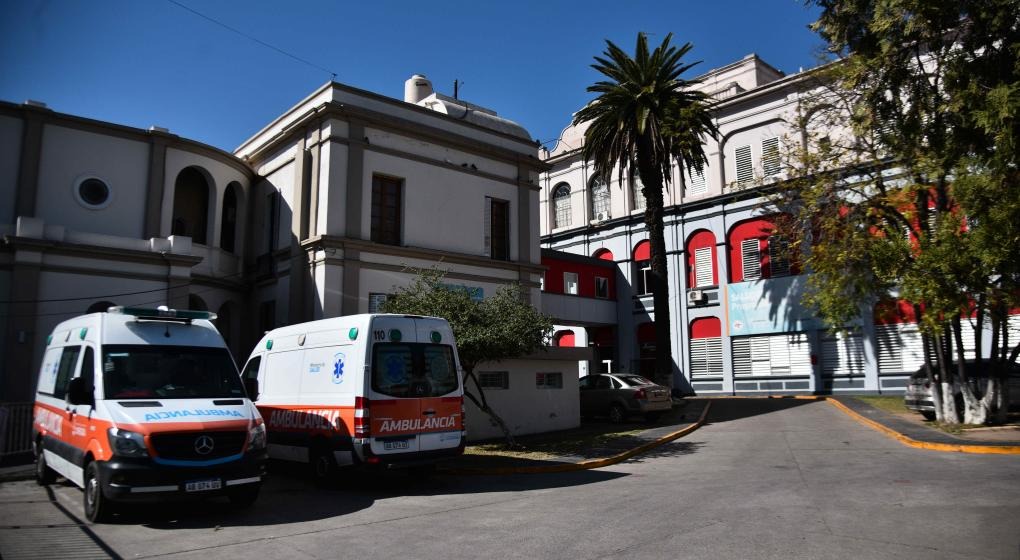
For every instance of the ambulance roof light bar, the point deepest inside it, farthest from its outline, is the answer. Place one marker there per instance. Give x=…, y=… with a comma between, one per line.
x=162, y=313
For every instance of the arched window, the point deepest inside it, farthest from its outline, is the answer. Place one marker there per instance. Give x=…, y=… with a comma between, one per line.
x=99, y=307
x=706, y=347
x=191, y=205
x=757, y=251
x=604, y=254
x=196, y=303
x=599, y=200
x=228, y=219
x=701, y=260
x=642, y=268
x=561, y=205
x=565, y=339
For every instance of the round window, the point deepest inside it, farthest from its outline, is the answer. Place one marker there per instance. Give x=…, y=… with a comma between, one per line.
x=93, y=193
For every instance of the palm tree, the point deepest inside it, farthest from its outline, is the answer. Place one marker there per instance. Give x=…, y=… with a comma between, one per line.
x=646, y=117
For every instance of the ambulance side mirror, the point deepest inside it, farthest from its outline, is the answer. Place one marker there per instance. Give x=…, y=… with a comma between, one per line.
x=251, y=386
x=79, y=392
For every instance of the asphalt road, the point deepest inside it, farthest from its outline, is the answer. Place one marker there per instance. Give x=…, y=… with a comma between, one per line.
x=763, y=479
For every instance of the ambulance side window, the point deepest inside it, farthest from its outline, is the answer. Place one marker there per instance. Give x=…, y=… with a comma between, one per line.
x=68, y=361
x=88, y=369
x=251, y=370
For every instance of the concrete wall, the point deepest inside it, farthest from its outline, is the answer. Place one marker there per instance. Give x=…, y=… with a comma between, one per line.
x=526, y=409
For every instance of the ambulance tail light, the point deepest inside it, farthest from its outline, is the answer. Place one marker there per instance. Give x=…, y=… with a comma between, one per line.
x=362, y=419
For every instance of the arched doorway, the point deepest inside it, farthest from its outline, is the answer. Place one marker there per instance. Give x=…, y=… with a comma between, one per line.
x=191, y=205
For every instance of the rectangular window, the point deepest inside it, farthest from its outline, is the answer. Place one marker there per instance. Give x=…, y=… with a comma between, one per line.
x=643, y=272
x=497, y=229
x=272, y=221
x=570, y=283
x=750, y=258
x=601, y=287
x=703, y=275
x=494, y=379
x=745, y=169
x=386, y=208
x=696, y=184
x=375, y=302
x=779, y=256
x=842, y=354
x=553, y=380
x=770, y=156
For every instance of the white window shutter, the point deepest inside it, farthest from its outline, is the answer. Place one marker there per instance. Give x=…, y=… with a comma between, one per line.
x=750, y=256
x=745, y=167
x=779, y=264
x=770, y=156
x=703, y=267
x=696, y=184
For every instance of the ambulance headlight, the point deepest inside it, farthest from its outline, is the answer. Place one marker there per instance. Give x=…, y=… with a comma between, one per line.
x=127, y=444
x=257, y=438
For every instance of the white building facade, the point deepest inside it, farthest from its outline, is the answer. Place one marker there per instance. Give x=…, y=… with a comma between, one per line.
x=737, y=322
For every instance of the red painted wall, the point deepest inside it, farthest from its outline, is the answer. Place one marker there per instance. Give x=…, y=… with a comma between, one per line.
x=759, y=228
x=565, y=339
x=699, y=240
x=643, y=251
x=586, y=274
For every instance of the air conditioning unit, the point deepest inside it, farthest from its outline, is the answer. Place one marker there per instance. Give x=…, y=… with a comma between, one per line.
x=695, y=297
x=600, y=217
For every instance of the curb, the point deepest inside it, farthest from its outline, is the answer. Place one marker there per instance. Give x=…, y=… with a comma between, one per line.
x=905, y=440
x=590, y=463
x=945, y=447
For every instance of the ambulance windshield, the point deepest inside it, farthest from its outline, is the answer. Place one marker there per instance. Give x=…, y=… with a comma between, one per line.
x=169, y=372
x=413, y=370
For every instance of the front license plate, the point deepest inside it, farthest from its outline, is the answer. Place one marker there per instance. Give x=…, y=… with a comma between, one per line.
x=393, y=445
x=203, y=485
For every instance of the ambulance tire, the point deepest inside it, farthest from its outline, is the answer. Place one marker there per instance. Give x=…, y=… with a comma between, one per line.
x=44, y=475
x=244, y=496
x=324, y=468
x=98, y=508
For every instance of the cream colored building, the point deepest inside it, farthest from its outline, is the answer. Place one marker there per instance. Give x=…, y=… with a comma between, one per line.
x=321, y=213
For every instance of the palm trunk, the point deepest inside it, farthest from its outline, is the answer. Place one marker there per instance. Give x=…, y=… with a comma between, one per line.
x=652, y=182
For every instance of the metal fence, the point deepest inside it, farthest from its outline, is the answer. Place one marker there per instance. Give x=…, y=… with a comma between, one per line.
x=15, y=428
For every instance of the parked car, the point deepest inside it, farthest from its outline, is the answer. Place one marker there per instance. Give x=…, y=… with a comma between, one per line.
x=918, y=396
x=619, y=395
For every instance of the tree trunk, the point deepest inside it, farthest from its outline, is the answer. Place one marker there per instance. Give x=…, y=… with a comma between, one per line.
x=975, y=410
x=483, y=405
x=950, y=415
x=652, y=187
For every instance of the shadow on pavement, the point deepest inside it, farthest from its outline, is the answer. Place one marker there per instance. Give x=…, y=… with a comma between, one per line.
x=728, y=410
x=675, y=448
x=288, y=496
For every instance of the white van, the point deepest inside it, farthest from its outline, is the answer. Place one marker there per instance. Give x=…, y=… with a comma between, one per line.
x=371, y=389
x=145, y=404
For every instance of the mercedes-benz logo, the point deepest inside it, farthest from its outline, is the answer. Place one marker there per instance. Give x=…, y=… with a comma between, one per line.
x=204, y=445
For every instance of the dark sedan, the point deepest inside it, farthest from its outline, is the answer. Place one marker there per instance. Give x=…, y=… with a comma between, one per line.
x=619, y=395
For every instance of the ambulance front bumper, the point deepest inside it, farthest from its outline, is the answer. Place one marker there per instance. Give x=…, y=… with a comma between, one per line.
x=143, y=480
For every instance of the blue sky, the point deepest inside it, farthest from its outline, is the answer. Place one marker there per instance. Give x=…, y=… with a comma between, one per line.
x=151, y=62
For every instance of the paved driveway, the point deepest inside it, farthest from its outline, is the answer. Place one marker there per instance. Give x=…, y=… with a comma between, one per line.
x=763, y=479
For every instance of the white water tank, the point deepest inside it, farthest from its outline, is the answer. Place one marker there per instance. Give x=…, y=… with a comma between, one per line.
x=417, y=88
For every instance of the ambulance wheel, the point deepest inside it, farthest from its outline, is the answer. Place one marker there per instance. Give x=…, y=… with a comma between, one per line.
x=44, y=475
x=323, y=466
x=244, y=496
x=98, y=508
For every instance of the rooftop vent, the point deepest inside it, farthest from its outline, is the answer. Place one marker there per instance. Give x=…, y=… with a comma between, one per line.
x=418, y=87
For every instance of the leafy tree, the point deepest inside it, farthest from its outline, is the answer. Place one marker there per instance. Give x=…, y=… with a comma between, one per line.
x=907, y=182
x=646, y=116
x=497, y=328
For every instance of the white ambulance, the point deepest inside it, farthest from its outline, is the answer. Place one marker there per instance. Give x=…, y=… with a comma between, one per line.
x=143, y=405
x=376, y=389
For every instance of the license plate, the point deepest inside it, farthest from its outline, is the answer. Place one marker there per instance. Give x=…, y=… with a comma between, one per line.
x=203, y=485
x=393, y=445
